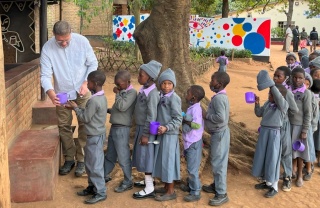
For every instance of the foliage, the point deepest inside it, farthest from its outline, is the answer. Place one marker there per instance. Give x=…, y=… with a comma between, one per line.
x=200, y=52
x=121, y=46
x=314, y=7
x=204, y=8
x=277, y=32
x=261, y=5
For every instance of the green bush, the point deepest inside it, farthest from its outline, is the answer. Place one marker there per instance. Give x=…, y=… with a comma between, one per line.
x=277, y=32
x=196, y=53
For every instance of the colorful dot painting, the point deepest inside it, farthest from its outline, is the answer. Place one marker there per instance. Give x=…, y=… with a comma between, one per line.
x=239, y=33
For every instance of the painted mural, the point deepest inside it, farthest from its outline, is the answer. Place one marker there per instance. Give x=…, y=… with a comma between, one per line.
x=239, y=33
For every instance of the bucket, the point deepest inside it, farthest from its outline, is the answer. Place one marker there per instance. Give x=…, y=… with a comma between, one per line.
x=298, y=146
x=154, y=125
x=63, y=98
x=249, y=97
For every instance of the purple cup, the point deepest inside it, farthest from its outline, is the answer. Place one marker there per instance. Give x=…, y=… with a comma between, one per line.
x=249, y=97
x=154, y=125
x=298, y=146
x=63, y=97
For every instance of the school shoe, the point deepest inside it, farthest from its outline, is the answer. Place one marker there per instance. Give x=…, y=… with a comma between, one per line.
x=86, y=192
x=107, y=179
x=80, y=169
x=209, y=188
x=262, y=185
x=123, y=187
x=185, y=188
x=141, y=184
x=166, y=197
x=218, y=200
x=138, y=196
x=271, y=193
x=286, y=186
x=160, y=190
x=192, y=198
x=66, y=168
x=307, y=176
x=95, y=198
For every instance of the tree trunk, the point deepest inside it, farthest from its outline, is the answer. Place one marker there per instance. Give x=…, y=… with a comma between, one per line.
x=289, y=19
x=135, y=8
x=225, y=8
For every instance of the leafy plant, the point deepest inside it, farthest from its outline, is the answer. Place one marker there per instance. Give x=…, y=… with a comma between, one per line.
x=277, y=32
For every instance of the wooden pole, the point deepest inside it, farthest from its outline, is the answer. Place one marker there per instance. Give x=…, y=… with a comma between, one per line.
x=5, y=201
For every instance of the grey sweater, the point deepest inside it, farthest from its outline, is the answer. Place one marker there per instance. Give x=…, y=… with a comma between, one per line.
x=304, y=116
x=217, y=117
x=145, y=109
x=170, y=113
x=94, y=115
x=273, y=114
x=293, y=108
x=315, y=113
x=123, y=107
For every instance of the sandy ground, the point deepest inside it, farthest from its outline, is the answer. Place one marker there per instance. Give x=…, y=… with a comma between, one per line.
x=240, y=185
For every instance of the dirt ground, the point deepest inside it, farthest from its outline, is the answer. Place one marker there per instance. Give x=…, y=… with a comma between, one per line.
x=240, y=185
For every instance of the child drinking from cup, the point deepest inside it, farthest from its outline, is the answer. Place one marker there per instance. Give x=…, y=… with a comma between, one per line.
x=167, y=153
x=266, y=161
x=121, y=121
x=192, y=130
x=94, y=118
x=145, y=111
x=281, y=76
x=216, y=120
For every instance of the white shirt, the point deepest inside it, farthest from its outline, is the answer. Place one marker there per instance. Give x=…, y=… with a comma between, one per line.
x=289, y=32
x=69, y=66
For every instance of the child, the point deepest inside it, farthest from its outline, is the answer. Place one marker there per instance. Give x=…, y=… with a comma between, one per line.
x=192, y=131
x=121, y=120
x=216, y=120
x=167, y=154
x=300, y=122
x=281, y=75
x=315, y=88
x=315, y=68
x=311, y=57
x=304, y=58
x=94, y=118
x=223, y=62
x=292, y=62
x=266, y=161
x=145, y=111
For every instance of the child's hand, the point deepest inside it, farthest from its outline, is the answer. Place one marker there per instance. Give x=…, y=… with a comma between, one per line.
x=144, y=140
x=115, y=90
x=71, y=104
x=162, y=130
x=257, y=99
x=303, y=135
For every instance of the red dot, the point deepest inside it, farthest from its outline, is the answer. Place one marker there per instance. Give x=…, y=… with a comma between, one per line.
x=236, y=40
x=228, y=34
x=254, y=19
x=225, y=26
x=195, y=25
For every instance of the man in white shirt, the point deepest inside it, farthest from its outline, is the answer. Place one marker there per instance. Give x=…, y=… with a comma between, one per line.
x=288, y=38
x=68, y=58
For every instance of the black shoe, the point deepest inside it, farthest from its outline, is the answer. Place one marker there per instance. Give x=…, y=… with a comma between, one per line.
x=185, y=188
x=123, y=187
x=286, y=186
x=209, y=188
x=107, y=179
x=86, y=192
x=66, y=168
x=80, y=169
x=138, y=196
x=262, y=185
x=218, y=200
x=191, y=198
x=271, y=193
x=141, y=184
x=95, y=198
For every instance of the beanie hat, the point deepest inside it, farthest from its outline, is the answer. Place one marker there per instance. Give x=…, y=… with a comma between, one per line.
x=167, y=74
x=264, y=81
x=152, y=68
x=315, y=62
x=309, y=78
x=291, y=54
x=304, y=52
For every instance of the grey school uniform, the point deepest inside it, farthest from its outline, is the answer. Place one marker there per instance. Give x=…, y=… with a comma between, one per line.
x=145, y=111
x=94, y=118
x=301, y=122
x=316, y=134
x=167, y=153
x=285, y=137
x=118, y=140
x=314, y=127
x=222, y=60
x=266, y=161
x=216, y=121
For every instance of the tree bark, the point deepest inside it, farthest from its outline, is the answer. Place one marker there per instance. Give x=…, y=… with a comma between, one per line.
x=289, y=19
x=225, y=8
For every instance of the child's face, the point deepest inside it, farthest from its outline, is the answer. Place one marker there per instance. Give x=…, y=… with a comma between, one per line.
x=290, y=60
x=121, y=84
x=300, y=56
x=189, y=97
x=270, y=97
x=279, y=77
x=214, y=83
x=316, y=74
x=166, y=86
x=307, y=83
x=311, y=57
x=143, y=77
x=298, y=79
x=91, y=85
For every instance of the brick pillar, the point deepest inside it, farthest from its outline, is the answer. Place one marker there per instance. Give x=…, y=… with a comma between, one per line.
x=4, y=170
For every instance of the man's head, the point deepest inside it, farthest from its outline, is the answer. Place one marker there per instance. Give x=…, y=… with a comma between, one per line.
x=62, y=33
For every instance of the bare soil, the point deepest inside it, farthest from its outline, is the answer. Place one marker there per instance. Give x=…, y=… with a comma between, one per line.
x=240, y=184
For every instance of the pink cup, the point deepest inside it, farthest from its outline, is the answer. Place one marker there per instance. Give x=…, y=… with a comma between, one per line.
x=154, y=125
x=63, y=97
x=249, y=97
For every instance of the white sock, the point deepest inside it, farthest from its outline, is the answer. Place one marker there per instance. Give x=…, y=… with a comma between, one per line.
x=275, y=185
x=269, y=183
x=149, y=185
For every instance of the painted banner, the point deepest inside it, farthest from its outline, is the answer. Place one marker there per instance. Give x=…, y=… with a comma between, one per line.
x=238, y=33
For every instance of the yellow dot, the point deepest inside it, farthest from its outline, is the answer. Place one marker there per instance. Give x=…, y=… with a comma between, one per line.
x=218, y=36
x=194, y=30
x=237, y=30
x=199, y=35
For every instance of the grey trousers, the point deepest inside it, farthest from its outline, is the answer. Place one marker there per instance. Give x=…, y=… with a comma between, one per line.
x=220, y=143
x=118, y=148
x=286, y=153
x=94, y=159
x=193, y=157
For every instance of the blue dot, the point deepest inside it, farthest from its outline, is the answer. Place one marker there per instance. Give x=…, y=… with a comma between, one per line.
x=213, y=28
x=211, y=37
x=194, y=35
x=124, y=29
x=238, y=20
x=214, y=33
x=247, y=27
x=114, y=36
x=254, y=42
x=215, y=41
x=221, y=42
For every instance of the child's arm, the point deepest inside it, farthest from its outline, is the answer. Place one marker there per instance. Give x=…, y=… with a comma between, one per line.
x=307, y=113
x=125, y=99
x=152, y=108
x=220, y=113
x=227, y=61
x=86, y=114
x=293, y=108
x=217, y=60
x=281, y=102
x=257, y=109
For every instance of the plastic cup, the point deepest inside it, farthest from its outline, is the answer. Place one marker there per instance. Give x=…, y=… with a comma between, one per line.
x=154, y=125
x=298, y=146
x=63, y=97
x=249, y=97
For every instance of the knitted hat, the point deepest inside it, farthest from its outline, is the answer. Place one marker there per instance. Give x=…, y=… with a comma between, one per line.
x=304, y=52
x=291, y=54
x=167, y=74
x=264, y=81
x=315, y=62
x=309, y=78
x=152, y=68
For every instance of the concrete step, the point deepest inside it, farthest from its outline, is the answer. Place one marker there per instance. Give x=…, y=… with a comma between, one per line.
x=44, y=112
